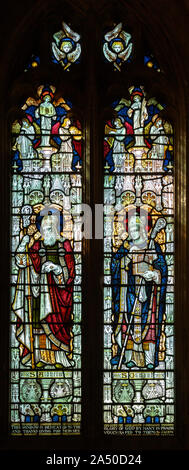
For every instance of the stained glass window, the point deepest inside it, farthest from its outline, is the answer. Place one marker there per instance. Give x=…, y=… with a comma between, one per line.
x=46, y=267
x=117, y=46
x=151, y=62
x=66, y=47
x=33, y=62
x=46, y=255
x=138, y=268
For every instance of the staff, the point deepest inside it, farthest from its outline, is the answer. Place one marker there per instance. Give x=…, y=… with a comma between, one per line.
x=26, y=212
x=160, y=224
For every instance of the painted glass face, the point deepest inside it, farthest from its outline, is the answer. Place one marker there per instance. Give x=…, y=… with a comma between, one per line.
x=116, y=47
x=138, y=269
x=66, y=47
x=134, y=228
x=46, y=268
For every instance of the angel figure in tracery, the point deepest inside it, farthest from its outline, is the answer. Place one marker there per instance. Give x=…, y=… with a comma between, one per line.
x=66, y=48
x=117, y=46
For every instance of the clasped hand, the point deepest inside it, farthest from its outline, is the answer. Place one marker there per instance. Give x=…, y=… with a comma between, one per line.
x=150, y=276
x=48, y=266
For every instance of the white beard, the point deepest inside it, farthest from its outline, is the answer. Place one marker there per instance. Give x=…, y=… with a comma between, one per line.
x=50, y=240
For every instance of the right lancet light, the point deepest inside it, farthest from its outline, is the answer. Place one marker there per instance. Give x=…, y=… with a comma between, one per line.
x=138, y=268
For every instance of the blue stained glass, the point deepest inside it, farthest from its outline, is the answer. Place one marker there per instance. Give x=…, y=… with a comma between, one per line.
x=151, y=62
x=148, y=419
x=55, y=419
x=120, y=420
x=129, y=420
x=64, y=418
x=33, y=62
x=156, y=419
x=36, y=419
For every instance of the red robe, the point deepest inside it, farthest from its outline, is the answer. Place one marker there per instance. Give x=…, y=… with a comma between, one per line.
x=56, y=325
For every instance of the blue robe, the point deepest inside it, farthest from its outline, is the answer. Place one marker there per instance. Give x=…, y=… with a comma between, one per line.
x=158, y=264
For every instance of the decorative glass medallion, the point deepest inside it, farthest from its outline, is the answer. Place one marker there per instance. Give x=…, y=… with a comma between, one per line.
x=117, y=46
x=33, y=62
x=66, y=48
x=151, y=62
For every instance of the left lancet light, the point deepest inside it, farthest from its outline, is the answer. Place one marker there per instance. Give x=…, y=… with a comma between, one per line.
x=46, y=246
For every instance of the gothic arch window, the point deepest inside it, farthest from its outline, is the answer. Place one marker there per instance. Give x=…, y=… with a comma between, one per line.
x=95, y=90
